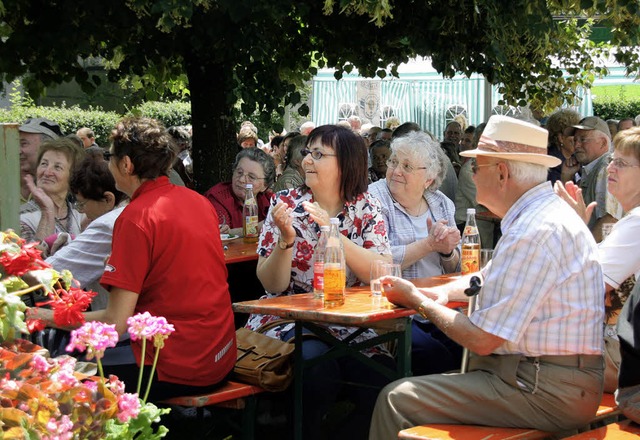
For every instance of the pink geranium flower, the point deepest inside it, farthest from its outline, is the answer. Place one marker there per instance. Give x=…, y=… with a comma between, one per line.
x=94, y=337
x=128, y=407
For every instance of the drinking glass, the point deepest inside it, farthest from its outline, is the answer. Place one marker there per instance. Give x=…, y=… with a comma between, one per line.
x=380, y=269
x=485, y=257
x=377, y=271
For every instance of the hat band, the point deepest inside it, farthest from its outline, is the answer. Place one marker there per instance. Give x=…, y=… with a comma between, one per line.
x=489, y=144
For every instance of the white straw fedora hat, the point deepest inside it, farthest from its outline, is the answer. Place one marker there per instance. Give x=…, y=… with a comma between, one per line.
x=512, y=139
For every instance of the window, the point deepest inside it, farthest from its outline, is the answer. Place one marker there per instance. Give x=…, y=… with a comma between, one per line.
x=345, y=110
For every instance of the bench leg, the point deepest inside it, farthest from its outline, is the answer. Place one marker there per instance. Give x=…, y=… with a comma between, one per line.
x=249, y=418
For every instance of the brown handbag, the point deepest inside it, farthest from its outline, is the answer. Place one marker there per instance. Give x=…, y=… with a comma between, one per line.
x=263, y=361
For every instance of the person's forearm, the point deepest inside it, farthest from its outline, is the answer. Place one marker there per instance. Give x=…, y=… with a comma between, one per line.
x=359, y=259
x=274, y=272
x=415, y=251
x=455, y=289
x=459, y=328
x=46, y=226
x=451, y=263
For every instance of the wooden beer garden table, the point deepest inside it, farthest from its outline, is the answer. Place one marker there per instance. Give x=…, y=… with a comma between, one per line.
x=237, y=251
x=360, y=309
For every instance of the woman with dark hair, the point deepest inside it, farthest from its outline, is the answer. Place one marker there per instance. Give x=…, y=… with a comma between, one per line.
x=561, y=146
x=335, y=167
x=167, y=260
x=252, y=165
x=50, y=212
x=94, y=188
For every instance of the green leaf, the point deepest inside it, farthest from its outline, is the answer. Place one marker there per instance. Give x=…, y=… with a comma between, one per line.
x=303, y=110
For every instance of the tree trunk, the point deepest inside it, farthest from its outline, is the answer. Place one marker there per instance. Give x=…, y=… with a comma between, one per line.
x=214, y=140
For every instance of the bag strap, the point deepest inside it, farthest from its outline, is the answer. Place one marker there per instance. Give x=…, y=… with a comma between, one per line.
x=269, y=325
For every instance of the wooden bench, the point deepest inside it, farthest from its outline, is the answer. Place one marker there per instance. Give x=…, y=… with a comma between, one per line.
x=607, y=409
x=469, y=432
x=233, y=395
x=625, y=430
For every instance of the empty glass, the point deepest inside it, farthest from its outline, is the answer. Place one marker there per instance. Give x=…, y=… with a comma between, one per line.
x=485, y=257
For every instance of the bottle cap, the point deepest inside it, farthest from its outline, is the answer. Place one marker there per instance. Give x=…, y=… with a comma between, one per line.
x=471, y=211
x=324, y=228
x=248, y=185
x=334, y=221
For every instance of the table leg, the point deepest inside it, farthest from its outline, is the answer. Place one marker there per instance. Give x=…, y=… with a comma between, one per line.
x=298, y=368
x=404, y=351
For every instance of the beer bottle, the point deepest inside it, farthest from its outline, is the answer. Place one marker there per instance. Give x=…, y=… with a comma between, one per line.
x=470, y=244
x=249, y=216
x=335, y=268
x=318, y=263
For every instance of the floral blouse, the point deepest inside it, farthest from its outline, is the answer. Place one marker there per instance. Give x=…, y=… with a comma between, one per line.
x=361, y=221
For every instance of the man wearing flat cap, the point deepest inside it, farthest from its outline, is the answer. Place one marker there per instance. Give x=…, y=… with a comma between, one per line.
x=33, y=132
x=591, y=138
x=535, y=334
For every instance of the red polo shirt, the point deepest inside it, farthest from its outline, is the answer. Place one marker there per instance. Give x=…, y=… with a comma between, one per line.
x=167, y=248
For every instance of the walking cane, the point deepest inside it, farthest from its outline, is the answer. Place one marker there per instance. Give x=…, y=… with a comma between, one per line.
x=474, y=288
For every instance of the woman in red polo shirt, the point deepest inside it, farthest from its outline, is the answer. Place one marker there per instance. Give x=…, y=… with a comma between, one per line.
x=167, y=260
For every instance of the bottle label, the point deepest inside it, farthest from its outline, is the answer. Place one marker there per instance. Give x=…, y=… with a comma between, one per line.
x=251, y=226
x=470, y=230
x=470, y=258
x=318, y=276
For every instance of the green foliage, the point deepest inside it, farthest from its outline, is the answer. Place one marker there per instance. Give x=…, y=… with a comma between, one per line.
x=616, y=101
x=616, y=109
x=256, y=55
x=142, y=427
x=169, y=113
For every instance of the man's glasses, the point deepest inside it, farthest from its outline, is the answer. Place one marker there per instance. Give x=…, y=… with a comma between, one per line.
x=620, y=163
x=315, y=154
x=475, y=166
x=405, y=167
x=239, y=174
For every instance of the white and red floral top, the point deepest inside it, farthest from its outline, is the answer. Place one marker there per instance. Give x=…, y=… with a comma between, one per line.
x=361, y=221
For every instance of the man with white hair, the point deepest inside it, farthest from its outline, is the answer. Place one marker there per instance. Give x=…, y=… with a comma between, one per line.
x=307, y=128
x=355, y=122
x=591, y=138
x=536, y=331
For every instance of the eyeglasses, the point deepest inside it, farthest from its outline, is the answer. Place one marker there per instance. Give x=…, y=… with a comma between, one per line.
x=405, y=167
x=107, y=155
x=79, y=206
x=239, y=174
x=315, y=154
x=475, y=166
x=620, y=163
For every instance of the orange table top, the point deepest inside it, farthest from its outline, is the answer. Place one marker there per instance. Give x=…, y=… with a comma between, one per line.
x=360, y=307
x=238, y=251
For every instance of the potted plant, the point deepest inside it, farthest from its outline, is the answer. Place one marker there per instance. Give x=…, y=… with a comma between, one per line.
x=46, y=398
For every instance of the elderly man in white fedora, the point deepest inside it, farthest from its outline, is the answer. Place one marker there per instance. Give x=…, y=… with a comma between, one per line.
x=536, y=332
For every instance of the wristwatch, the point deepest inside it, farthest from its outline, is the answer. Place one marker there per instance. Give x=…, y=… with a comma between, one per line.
x=283, y=244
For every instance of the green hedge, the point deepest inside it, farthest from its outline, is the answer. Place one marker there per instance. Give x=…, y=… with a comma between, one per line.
x=101, y=122
x=616, y=109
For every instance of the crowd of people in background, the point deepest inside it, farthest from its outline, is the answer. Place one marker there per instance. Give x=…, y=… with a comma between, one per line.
x=401, y=194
